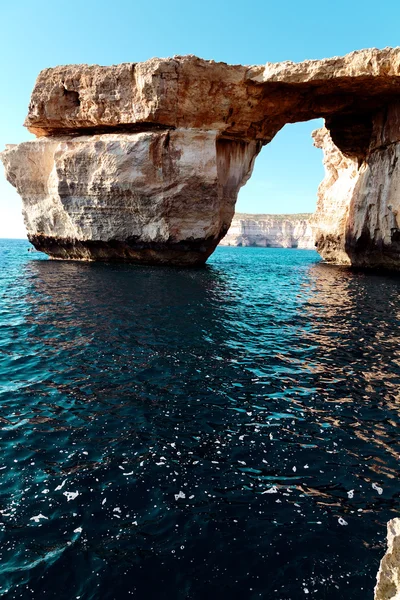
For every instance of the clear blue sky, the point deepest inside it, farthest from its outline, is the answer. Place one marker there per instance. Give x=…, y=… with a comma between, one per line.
x=35, y=34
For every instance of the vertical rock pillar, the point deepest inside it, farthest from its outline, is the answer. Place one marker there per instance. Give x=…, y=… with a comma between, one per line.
x=358, y=212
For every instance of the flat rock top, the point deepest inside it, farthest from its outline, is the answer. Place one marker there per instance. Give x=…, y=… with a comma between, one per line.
x=248, y=102
x=369, y=63
x=272, y=217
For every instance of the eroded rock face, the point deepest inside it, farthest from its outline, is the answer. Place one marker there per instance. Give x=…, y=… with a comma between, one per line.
x=357, y=218
x=270, y=231
x=334, y=198
x=388, y=579
x=251, y=102
x=144, y=161
x=164, y=196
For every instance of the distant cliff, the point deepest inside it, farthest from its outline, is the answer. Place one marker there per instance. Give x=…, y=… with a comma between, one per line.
x=270, y=231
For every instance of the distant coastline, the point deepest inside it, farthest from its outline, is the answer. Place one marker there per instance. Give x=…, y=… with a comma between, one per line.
x=270, y=231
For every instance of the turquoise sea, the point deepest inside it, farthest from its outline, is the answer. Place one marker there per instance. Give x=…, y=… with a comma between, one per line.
x=227, y=432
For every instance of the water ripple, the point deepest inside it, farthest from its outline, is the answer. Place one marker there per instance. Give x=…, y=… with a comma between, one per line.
x=226, y=432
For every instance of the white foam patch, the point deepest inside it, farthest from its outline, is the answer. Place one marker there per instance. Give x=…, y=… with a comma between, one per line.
x=71, y=495
x=38, y=517
x=180, y=495
x=271, y=490
x=376, y=487
x=60, y=487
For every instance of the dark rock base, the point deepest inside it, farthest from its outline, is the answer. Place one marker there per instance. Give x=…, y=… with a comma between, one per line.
x=188, y=253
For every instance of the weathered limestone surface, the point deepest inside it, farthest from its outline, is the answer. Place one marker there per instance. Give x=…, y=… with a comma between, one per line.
x=251, y=102
x=271, y=231
x=165, y=196
x=144, y=161
x=334, y=198
x=388, y=579
x=357, y=220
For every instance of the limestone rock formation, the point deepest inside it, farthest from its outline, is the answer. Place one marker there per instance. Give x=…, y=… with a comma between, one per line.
x=334, y=198
x=162, y=196
x=388, y=579
x=270, y=231
x=144, y=161
x=357, y=220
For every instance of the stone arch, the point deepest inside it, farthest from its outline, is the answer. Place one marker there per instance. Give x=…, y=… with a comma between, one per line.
x=144, y=161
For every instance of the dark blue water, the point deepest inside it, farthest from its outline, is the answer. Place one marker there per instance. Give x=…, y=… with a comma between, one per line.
x=229, y=432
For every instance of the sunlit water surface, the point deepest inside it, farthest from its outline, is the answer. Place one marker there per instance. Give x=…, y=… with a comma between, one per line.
x=228, y=432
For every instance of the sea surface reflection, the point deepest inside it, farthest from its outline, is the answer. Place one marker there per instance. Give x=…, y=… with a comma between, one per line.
x=227, y=432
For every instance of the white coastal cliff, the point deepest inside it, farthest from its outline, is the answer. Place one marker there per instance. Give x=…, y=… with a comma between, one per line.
x=270, y=231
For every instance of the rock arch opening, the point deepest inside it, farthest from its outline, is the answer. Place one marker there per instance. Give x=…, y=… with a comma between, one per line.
x=275, y=206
